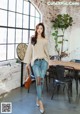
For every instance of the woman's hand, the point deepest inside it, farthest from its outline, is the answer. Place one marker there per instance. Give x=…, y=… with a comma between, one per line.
x=27, y=66
x=28, y=69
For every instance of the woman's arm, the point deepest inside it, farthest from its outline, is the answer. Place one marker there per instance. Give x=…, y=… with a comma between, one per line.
x=28, y=55
x=46, y=49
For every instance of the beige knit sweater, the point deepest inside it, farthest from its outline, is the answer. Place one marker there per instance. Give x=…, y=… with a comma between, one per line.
x=37, y=51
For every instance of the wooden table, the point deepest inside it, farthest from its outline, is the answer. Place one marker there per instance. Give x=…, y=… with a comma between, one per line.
x=76, y=66
x=67, y=65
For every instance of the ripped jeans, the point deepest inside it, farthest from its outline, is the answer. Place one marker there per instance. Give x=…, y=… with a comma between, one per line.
x=39, y=69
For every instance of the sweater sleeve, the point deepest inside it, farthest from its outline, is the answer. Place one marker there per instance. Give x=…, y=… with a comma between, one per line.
x=46, y=50
x=28, y=55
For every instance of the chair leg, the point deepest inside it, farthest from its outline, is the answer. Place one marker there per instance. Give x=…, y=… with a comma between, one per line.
x=77, y=86
x=58, y=88
x=53, y=91
x=46, y=84
x=63, y=88
x=49, y=78
x=69, y=89
x=70, y=86
x=76, y=79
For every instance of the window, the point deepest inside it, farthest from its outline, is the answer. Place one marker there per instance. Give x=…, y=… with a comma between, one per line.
x=11, y=35
x=32, y=22
x=3, y=18
x=19, y=6
x=10, y=52
x=31, y=33
x=25, y=21
x=3, y=33
x=32, y=10
x=3, y=4
x=26, y=7
x=25, y=35
x=12, y=5
x=2, y=52
x=18, y=19
x=11, y=19
x=18, y=35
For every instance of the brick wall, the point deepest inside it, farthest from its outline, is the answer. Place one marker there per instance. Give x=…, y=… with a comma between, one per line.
x=49, y=12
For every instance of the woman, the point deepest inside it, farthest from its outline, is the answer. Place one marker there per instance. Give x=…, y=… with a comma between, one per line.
x=37, y=55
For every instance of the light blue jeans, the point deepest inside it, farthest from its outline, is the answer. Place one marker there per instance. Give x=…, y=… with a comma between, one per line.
x=39, y=69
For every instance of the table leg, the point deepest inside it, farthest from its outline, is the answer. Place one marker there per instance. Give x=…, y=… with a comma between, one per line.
x=76, y=78
x=21, y=74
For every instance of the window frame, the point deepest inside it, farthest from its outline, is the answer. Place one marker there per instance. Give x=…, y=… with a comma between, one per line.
x=15, y=28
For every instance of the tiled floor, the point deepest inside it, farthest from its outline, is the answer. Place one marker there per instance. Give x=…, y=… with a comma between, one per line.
x=24, y=102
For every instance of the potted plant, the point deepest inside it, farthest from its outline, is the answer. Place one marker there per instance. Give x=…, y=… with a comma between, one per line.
x=61, y=22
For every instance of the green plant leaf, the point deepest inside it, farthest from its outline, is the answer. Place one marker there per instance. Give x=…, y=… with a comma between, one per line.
x=60, y=42
x=53, y=34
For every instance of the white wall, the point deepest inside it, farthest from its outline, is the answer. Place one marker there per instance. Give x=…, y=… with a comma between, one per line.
x=74, y=43
x=10, y=77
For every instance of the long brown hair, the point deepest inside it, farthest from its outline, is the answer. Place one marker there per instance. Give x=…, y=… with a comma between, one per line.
x=34, y=38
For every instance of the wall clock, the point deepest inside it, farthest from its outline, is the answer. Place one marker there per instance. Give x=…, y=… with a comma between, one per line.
x=21, y=50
